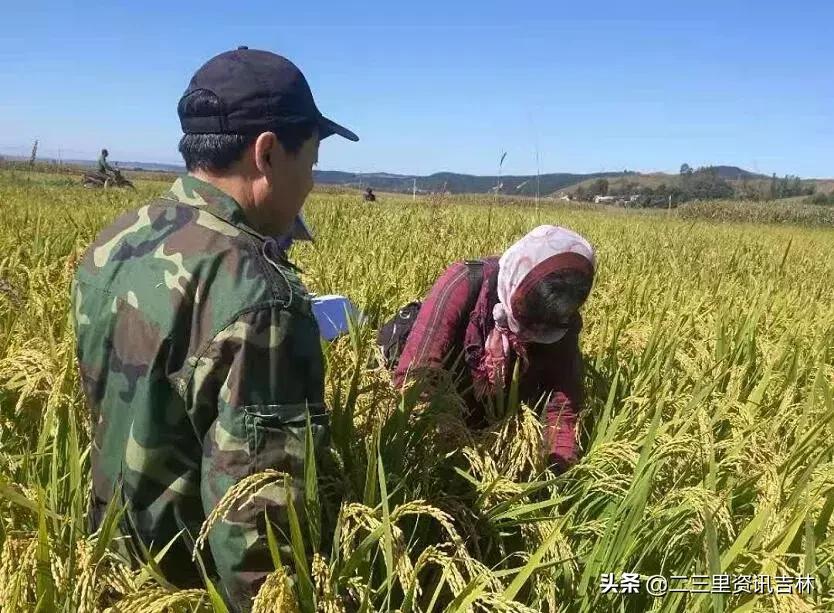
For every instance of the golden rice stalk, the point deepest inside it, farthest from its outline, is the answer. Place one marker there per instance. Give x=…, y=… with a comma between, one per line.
x=421, y=507
x=482, y=464
x=358, y=588
x=119, y=578
x=492, y=603
x=453, y=562
x=160, y=600
x=493, y=483
x=518, y=442
x=18, y=572
x=30, y=372
x=356, y=517
x=328, y=600
x=359, y=517
x=439, y=556
x=476, y=568
x=376, y=400
x=402, y=563
x=276, y=595
x=238, y=496
x=85, y=594
x=790, y=603
x=92, y=580
x=537, y=532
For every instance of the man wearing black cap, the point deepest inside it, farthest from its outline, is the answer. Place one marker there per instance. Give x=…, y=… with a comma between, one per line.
x=197, y=347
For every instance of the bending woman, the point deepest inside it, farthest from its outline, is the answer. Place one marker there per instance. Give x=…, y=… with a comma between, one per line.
x=526, y=309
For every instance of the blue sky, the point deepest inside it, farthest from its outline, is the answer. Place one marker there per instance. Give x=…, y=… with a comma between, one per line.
x=432, y=86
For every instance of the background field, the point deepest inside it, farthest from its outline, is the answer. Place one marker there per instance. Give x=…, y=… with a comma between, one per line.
x=707, y=436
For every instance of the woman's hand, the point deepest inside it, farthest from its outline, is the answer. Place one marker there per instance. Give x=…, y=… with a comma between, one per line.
x=496, y=349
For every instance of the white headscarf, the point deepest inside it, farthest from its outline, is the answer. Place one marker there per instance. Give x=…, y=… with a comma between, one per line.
x=540, y=244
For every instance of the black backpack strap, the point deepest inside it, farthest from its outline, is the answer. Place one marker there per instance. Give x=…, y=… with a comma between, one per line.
x=393, y=334
x=475, y=268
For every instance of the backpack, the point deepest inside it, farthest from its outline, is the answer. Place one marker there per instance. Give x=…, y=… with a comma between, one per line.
x=393, y=334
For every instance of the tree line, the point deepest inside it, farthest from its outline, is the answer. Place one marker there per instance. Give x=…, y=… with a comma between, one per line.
x=704, y=183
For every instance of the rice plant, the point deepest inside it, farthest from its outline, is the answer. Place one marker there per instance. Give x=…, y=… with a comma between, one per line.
x=706, y=438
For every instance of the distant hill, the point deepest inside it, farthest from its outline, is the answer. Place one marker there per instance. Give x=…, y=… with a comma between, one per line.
x=388, y=182
x=522, y=185
x=457, y=183
x=731, y=173
x=154, y=166
x=634, y=181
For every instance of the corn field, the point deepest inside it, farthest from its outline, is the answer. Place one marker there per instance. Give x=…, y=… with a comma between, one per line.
x=707, y=432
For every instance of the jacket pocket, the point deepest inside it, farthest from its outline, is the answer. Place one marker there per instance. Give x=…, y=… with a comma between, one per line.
x=277, y=435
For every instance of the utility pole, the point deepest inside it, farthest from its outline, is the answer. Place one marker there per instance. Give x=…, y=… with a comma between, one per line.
x=414, y=191
x=538, y=172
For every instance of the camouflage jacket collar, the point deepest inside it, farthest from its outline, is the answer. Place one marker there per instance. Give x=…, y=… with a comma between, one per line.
x=198, y=193
x=190, y=190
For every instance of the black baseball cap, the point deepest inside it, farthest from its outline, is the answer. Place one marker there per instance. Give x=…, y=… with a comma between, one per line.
x=258, y=91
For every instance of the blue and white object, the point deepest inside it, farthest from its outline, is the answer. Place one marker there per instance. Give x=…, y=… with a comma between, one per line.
x=332, y=313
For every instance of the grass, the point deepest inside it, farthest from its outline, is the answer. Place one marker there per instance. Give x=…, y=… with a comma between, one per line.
x=707, y=434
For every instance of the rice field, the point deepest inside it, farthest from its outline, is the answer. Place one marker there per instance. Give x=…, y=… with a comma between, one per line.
x=707, y=436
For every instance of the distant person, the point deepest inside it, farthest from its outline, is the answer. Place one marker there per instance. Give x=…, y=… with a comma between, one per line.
x=104, y=168
x=496, y=311
x=198, y=351
x=369, y=195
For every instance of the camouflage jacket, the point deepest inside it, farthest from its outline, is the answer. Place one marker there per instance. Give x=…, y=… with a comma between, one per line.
x=200, y=359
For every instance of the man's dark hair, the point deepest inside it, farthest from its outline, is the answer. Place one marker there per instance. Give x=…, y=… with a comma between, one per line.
x=104, y=152
x=215, y=152
x=552, y=301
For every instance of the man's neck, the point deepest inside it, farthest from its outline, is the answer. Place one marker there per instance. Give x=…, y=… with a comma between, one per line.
x=238, y=187
x=234, y=186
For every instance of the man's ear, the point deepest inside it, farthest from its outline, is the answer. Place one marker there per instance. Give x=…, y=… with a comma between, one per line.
x=267, y=151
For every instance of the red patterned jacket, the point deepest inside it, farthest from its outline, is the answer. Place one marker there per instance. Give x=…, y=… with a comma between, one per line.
x=444, y=327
